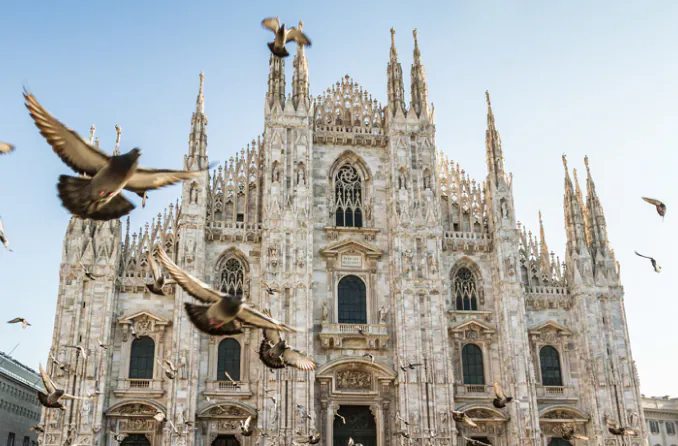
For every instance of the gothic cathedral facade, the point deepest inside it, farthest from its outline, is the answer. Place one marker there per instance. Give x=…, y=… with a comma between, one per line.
x=413, y=286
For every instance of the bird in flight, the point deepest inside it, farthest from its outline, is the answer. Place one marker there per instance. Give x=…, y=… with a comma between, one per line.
x=169, y=368
x=80, y=348
x=276, y=354
x=53, y=395
x=118, y=436
x=500, y=399
x=616, y=429
x=661, y=207
x=3, y=237
x=6, y=148
x=24, y=322
x=158, y=278
x=655, y=265
x=88, y=272
x=567, y=432
x=284, y=35
x=461, y=417
x=98, y=196
x=245, y=427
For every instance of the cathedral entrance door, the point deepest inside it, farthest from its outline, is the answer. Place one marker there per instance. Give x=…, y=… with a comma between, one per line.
x=360, y=426
x=226, y=440
x=559, y=442
x=135, y=440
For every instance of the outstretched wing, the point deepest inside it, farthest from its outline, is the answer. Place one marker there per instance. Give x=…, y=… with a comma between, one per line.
x=193, y=286
x=640, y=255
x=15, y=320
x=272, y=23
x=270, y=362
x=155, y=270
x=652, y=201
x=498, y=391
x=297, y=36
x=272, y=336
x=148, y=179
x=6, y=147
x=254, y=317
x=297, y=359
x=71, y=148
x=46, y=380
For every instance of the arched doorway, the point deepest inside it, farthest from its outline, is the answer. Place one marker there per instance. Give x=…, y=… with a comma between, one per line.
x=483, y=439
x=225, y=440
x=559, y=442
x=135, y=440
x=360, y=426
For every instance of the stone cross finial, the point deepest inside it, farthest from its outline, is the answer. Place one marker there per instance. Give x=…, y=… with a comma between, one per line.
x=414, y=33
x=487, y=97
x=91, y=133
x=392, y=36
x=565, y=161
x=118, y=130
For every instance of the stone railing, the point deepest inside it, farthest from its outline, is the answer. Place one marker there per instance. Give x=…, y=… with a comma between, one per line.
x=152, y=387
x=546, y=297
x=467, y=241
x=233, y=231
x=227, y=388
x=354, y=336
x=556, y=392
x=480, y=391
x=349, y=135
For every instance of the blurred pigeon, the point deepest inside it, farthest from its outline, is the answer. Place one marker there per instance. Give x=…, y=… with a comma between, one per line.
x=158, y=278
x=616, y=429
x=245, y=428
x=461, y=417
x=37, y=429
x=500, y=399
x=88, y=272
x=233, y=382
x=6, y=148
x=312, y=439
x=473, y=442
x=83, y=351
x=3, y=238
x=567, y=432
x=284, y=35
x=98, y=197
x=656, y=267
x=118, y=437
x=51, y=399
x=270, y=290
x=276, y=354
x=24, y=322
x=169, y=368
x=225, y=313
x=661, y=207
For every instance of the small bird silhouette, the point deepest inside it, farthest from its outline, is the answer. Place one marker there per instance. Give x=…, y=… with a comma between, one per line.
x=169, y=368
x=368, y=355
x=80, y=348
x=269, y=289
x=500, y=399
x=24, y=322
x=461, y=417
x=3, y=237
x=234, y=382
x=53, y=395
x=284, y=35
x=655, y=265
x=398, y=417
x=88, y=272
x=343, y=420
x=661, y=207
x=312, y=439
x=276, y=354
x=6, y=148
x=474, y=442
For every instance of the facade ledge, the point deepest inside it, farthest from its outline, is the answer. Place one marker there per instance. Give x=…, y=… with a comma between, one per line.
x=227, y=389
x=473, y=391
x=139, y=387
x=556, y=393
x=334, y=232
x=348, y=336
x=467, y=241
x=460, y=315
x=232, y=231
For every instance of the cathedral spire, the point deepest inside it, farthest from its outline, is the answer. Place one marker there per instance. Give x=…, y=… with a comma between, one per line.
x=300, y=76
x=419, y=90
x=276, y=82
x=494, y=153
x=118, y=131
x=545, y=261
x=574, y=217
x=197, y=141
x=596, y=216
x=396, y=92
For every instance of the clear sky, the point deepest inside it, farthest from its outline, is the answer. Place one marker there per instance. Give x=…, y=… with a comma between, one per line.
x=574, y=77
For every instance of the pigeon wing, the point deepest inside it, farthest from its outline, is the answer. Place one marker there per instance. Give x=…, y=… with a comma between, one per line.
x=145, y=179
x=6, y=148
x=640, y=255
x=49, y=385
x=272, y=23
x=297, y=36
x=254, y=317
x=154, y=266
x=272, y=336
x=652, y=201
x=499, y=391
x=15, y=320
x=268, y=360
x=190, y=284
x=296, y=359
x=71, y=148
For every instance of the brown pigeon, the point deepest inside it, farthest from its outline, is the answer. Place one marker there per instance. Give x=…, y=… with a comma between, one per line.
x=284, y=35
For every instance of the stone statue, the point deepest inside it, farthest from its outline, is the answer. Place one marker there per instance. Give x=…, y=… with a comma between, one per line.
x=433, y=264
x=326, y=313
x=504, y=209
x=634, y=419
x=301, y=176
x=427, y=181
x=383, y=312
x=85, y=412
x=402, y=181
x=276, y=173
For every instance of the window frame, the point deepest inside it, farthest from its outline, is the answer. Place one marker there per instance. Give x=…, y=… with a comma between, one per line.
x=466, y=365
x=361, y=284
x=132, y=359
x=222, y=376
x=542, y=367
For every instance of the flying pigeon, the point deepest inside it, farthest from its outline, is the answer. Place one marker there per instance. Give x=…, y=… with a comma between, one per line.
x=82, y=351
x=661, y=207
x=102, y=345
x=302, y=412
x=461, y=417
x=656, y=267
x=234, y=382
x=368, y=355
x=270, y=290
x=98, y=197
x=616, y=429
x=225, y=313
x=169, y=368
x=567, y=432
x=3, y=238
x=245, y=429
x=343, y=420
x=37, y=429
x=51, y=399
x=24, y=322
x=473, y=442
x=500, y=399
x=284, y=35
x=6, y=148
x=409, y=365
x=353, y=443
x=312, y=439
x=88, y=272
x=158, y=278
x=118, y=437
x=404, y=434
x=401, y=418
x=276, y=354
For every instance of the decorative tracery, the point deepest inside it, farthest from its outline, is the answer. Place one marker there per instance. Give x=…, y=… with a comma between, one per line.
x=232, y=276
x=348, y=206
x=465, y=293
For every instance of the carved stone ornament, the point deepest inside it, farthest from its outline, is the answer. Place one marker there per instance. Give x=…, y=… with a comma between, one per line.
x=226, y=411
x=135, y=409
x=354, y=380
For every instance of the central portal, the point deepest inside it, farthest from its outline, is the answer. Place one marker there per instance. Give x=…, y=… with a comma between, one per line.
x=226, y=440
x=360, y=426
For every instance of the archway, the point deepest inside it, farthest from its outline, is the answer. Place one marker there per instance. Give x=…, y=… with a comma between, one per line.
x=225, y=440
x=135, y=440
x=360, y=426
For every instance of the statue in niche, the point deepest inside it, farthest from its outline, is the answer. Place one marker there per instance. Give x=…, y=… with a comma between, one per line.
x=326, y=312
x=383, y=312
x=432, y=263
x=276, y=173
x=407, y=261
x=504, y=209
x=402, y=181
x=301, y=176
x=85, y=412
x=194, y=194
x=427, y=181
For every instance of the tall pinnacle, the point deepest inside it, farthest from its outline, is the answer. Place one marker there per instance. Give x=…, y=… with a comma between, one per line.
x=200, y=101
x=276, y=81
x=543, y=247
x=91, y=133
x=596, y=217
x=396, y=92
x=574, y=218
x=300, y=76
x=419, y=91
x=197, y=140
x=494, y=154
x=118, y=130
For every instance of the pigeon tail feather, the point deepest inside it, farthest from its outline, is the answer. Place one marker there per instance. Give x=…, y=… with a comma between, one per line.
x=276, y=52
x=76, y=197
x=198, y=316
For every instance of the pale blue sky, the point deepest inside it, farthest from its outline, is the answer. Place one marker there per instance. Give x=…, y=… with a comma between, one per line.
x=575, y=77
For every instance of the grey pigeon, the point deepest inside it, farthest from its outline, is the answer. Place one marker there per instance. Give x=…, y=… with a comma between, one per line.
x=158, y=278
x=169, y=368
x=473, y=442
x=276, y=354
x=6, y=148
x=53, y=395
x=500, y=399
x=661, y=207
x=656, y=266
x=312, y=439
x=3, y=238
x=284, y=35
x=98, y=197
x=246, y=428
x=24, y=322
x=225, y=313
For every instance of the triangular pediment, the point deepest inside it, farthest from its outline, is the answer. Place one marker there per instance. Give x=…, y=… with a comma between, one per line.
x=473, y=324
x=550, y=325
x=142, y=315
x=350, y=246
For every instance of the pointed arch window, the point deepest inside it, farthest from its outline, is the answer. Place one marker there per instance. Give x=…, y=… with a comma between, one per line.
x=142, y=357
x=228, y=360
x=348, y=198
x=550, y=366
x=232, y=276
x=472, y=362
x=465, y=292
x=352, y=301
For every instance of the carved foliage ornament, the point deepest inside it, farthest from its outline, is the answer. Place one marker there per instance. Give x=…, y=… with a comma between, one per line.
x=354, y=380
